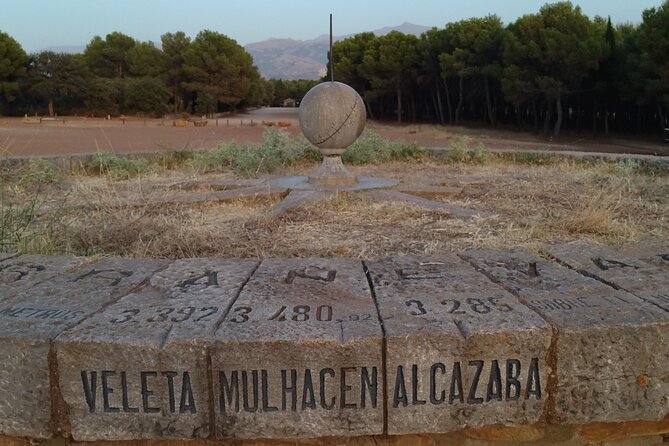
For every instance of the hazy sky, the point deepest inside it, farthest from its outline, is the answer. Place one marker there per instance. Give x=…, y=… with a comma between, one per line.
x=36, y=24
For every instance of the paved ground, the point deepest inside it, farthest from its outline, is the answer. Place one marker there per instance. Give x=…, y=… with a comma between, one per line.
x=76, y=135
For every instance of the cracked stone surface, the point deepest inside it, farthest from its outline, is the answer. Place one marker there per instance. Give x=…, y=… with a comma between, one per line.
x=142, y=362
x=609, y=349
x=33, y=317
x=300, y=354
x=461, y=351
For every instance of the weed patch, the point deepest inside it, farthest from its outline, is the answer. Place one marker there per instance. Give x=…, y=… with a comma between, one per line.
x=371, y=148
x=105, y=163
x=278, y=149
x=461, y=152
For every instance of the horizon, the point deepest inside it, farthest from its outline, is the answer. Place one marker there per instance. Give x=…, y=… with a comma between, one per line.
x=31, y=22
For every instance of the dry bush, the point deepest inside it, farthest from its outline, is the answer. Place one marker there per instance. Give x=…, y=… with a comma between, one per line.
x=597, y=215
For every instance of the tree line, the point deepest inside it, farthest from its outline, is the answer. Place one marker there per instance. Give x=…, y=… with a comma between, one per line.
x=547, y=71
x=118, y=74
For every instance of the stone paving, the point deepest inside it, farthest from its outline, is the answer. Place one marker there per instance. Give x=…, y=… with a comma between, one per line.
x=296, y=191
x=121, y=349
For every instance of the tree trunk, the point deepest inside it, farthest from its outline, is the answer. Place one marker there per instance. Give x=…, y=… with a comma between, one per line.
x=519, y=118
x=494, y=110
x=413, y=108
x=368, y=106
x=535, y=115
x=558, y=122
x=491, y=114
x=448, y=102
x=594, y=118
x=176, y=97
x=399, y=102
x=436, y=109
x=440, y=109
x=660, y=115
x=460, y=99
x=547, y=117
x=50, y=106
x=606, y=121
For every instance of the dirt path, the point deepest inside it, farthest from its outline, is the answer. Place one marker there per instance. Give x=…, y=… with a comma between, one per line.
x=21, y=137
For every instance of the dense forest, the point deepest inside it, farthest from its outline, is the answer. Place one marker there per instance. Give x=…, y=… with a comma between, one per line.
x=553, y=70
x=117, y=74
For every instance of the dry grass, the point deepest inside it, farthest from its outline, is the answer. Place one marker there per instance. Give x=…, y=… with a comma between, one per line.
x=531, y=205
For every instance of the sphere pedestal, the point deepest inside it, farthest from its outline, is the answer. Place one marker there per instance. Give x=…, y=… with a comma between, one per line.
x=333, y=173
x=332, y=116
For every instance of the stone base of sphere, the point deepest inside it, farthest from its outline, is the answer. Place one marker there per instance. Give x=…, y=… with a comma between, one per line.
x=332, y=173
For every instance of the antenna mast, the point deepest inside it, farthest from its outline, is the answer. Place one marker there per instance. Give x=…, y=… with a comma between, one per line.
x=331, y=55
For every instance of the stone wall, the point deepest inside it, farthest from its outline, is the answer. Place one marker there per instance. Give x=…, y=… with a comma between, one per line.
x=567, y=347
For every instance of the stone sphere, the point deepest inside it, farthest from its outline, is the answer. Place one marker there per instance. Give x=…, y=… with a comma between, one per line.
x=332, y=116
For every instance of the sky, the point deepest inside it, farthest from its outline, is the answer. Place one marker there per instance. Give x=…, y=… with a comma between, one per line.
x=37, y=24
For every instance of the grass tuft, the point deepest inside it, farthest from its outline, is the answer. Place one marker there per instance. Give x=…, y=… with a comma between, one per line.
x=371, y=148
x=278, y=149
x=105, y=163
x=461, y=152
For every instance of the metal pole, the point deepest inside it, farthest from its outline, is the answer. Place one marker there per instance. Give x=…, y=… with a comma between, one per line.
x=331, y=55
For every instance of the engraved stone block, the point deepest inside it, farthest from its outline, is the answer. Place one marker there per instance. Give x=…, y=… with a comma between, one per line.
x=609, y=351
x=641, y=270
x=138, y=369
x=18, y=273
x=461, y=351
x=300, y=354
x=32, y=318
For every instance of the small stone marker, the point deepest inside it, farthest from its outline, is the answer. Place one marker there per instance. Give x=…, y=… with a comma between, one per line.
x=299, y=354
x=609, y=349
x=18, y=273
x=641, y=270
x=32, y=318
x=461, y=351
x=138, y=369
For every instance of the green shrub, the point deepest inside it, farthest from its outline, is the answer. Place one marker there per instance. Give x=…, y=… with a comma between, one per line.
x=173, y=159
x=625, y=169
x=278, y=149
x=223, y=155
x=29, y=172
x=461, y=152
x=404, y=150
x=371, y=148
x=106, y=163
x=43, y=171
x=654, y=168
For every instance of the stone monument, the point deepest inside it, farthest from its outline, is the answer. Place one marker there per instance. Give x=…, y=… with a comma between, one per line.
x=332, y=117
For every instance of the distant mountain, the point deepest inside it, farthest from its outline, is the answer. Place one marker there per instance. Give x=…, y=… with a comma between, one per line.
x=290, y=59
x=286, y=58
x=305, y=59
